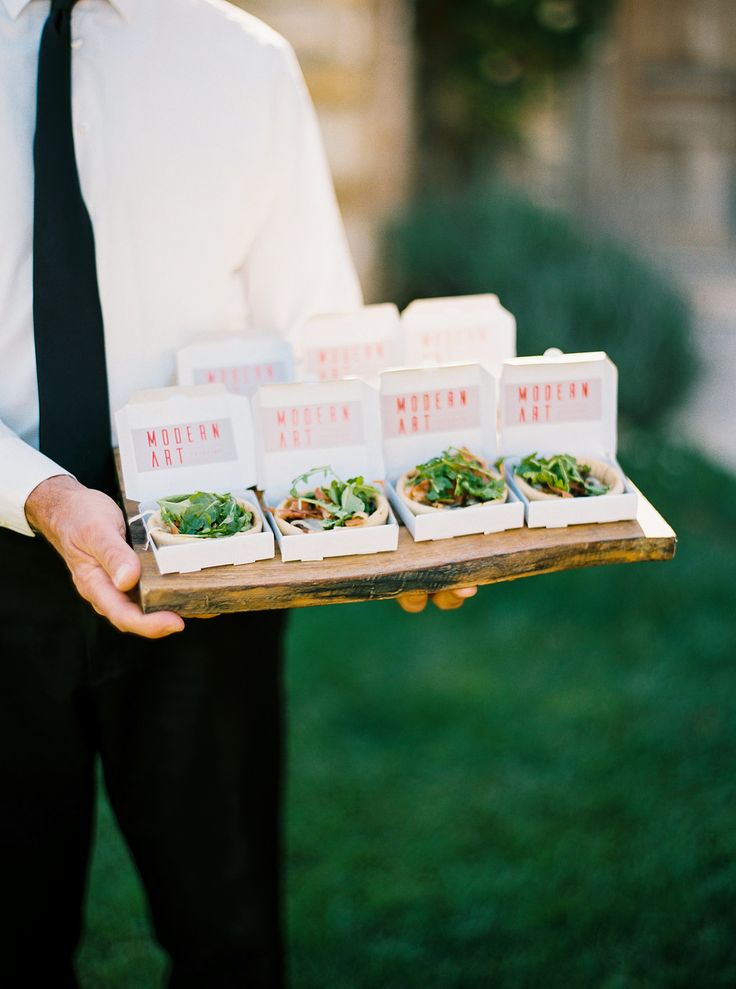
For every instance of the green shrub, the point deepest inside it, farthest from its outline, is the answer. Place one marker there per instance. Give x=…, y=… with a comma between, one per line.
x=567, y=289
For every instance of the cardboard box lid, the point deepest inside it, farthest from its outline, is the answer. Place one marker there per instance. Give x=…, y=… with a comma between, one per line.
x=425, y=410
x=559, y=403
x=459, y=328
x=232, y=359
x=182, y=439
x=312, y=424
x=360, y=342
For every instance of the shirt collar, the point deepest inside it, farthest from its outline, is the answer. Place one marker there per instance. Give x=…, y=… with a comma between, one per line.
x=14, y=7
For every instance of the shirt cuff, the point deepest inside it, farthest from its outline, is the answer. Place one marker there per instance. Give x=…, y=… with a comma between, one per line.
x=22, y=468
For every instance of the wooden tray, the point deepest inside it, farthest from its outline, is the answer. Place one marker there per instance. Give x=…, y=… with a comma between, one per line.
x=431, y=566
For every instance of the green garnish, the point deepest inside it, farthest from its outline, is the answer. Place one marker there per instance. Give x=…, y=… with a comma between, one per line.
x=561, y=474
x=342, y=500
x=456, y=477
x=204, y=514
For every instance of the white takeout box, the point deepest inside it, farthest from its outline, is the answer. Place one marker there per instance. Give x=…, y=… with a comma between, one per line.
x=306, y=425
x=340, y=345
x=426, y=410
x=242, y=363
x=181, y=440
x=563, y=403
x=473, y=328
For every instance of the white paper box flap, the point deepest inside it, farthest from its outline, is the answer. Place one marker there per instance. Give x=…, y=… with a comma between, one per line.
x=242, y=363
x=338, y=345
x=425, y=410
x=463, y=328
x=559, y=403
x=177, y=440
x=312, y=424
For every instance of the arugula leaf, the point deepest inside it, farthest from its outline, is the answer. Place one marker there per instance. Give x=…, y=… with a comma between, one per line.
x=455, y=478
x=561, y=474
x=204, y=514
x=350, y=502
x=342, y=500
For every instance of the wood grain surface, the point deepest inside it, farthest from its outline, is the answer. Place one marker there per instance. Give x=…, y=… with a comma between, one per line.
x=431, y=566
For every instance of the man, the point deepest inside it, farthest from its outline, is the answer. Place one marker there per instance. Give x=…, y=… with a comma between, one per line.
x=161, y=176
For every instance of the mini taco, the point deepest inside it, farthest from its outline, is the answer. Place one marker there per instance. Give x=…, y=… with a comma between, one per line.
x=202, y=515
x=334, y=504
x=456, y=478
x=565, y=476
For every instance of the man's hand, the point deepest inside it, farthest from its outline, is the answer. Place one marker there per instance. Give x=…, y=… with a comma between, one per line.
x=87, y=530
x=416, y=601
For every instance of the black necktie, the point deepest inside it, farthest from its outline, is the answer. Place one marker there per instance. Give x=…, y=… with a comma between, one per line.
x=70, y=347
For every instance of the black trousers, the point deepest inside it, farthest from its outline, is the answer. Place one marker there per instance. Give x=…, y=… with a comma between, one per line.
x=189, y=732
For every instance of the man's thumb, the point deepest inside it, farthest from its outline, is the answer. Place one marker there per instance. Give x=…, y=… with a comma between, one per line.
x=118, y=560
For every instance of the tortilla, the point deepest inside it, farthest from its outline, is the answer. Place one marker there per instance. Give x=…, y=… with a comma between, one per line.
x=603, y=472
x=162, y=536
x=420, y=508
x=378, y=517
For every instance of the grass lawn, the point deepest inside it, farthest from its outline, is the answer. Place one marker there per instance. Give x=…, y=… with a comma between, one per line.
x=537, y=790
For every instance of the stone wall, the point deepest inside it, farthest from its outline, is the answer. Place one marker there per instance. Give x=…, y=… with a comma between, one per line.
x=644, y=139
x=642, y=144
x=357, y=60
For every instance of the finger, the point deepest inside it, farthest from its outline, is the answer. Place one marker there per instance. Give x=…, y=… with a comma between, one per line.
x=445, y=602
x=125, y=614
x=450, y=600
x=413, y=601
x=127, y=576
x=117, y=558
x=464, y=592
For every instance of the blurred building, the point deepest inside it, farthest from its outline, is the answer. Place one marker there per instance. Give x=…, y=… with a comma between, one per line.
x=644, y=138
x=357, y=60
x=642, y=143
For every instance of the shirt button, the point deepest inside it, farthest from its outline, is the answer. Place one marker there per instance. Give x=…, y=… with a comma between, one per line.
x=82, y=127
x=77, y=43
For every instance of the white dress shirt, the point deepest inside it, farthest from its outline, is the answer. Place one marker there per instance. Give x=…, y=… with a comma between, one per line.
x=203, y=171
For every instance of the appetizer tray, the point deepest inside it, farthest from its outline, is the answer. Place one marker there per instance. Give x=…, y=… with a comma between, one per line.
x=432, y=566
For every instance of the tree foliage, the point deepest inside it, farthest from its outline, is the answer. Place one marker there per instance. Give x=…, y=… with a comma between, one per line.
x=479, y=61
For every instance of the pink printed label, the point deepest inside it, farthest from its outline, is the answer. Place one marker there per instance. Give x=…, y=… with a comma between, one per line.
x=331, y=363
x=435, y=411
x=244, y=378
x=305, y=427
x=186, y=444
x=553, y=401
x=442, y=346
